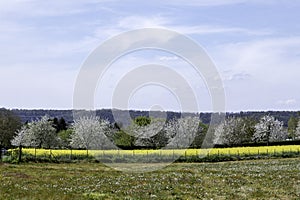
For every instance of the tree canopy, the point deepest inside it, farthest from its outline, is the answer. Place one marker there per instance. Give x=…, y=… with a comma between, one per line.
x=9, y=124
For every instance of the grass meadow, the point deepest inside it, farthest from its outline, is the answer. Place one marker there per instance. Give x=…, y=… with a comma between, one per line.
x=259, y=179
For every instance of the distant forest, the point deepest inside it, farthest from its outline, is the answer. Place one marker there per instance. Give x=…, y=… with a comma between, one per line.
x=30, y=115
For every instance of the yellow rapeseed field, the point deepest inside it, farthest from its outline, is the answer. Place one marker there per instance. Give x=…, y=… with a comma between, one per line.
x=166, y=152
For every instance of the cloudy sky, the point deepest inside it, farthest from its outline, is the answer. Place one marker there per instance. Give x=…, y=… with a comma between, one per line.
x=255, y=46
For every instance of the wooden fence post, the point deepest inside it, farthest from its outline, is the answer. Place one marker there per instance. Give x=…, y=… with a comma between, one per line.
x=147, y=155
x=173, y=154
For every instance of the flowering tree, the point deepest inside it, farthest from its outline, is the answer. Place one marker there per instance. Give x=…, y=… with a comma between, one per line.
x=297, y=132
x=229, y=132
x=145, y=130
x=269, y=129
x=21, y=139
x=91, y=133
x=234, y=131
x=182, y=131
x=41, y=133
x=36, y=134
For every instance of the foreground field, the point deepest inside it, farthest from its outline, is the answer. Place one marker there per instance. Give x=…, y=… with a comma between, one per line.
x=261, y=179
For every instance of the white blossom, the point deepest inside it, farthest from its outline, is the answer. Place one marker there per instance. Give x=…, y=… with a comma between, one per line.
x=268, y=130
x=231, y=131
x=42, y=133
x=90, y=133
x=144, y=134
x=297, y=133
x=38, y=133
x=22, y=137
x=182, y=131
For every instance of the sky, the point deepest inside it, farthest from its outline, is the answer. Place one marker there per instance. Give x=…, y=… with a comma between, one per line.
x=255, y=46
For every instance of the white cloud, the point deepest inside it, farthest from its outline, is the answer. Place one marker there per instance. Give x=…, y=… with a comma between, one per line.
x=210, y=29
x=34, y=8
x=287, y=102
x=157, y=21
x=235, y=76
x=168, y=58
x=269, y=69
x=268, y=59
x=134, y=22
x=41, y=38
x=211, y=3
x=131, y=22
x=205, y=2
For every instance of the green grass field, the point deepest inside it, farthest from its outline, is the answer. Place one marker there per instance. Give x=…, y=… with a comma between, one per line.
x=260, y=179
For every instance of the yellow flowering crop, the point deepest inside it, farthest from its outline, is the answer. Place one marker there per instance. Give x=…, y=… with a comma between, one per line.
x=167, y=152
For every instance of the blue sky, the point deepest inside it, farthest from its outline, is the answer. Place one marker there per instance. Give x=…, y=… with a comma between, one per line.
x=254, y=44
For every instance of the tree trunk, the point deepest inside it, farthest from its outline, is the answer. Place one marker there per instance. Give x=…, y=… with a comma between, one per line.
x=268, y=134
x=20, y=154
x=0, y=153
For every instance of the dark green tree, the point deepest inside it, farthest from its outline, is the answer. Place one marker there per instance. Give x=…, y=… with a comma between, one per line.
x=248, y=129
x=142, y=120
x=9, y=124
x=292, y=125
x=62, y=124
x=123, y=140
x=159, y=140
x=65, y=138
x=200, y=135
x=55, y=124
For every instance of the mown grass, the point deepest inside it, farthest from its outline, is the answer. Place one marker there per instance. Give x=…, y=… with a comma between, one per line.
x=260, y=179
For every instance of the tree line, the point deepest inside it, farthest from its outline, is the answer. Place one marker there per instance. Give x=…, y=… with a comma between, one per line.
x=111, y=114
x=92, y=132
